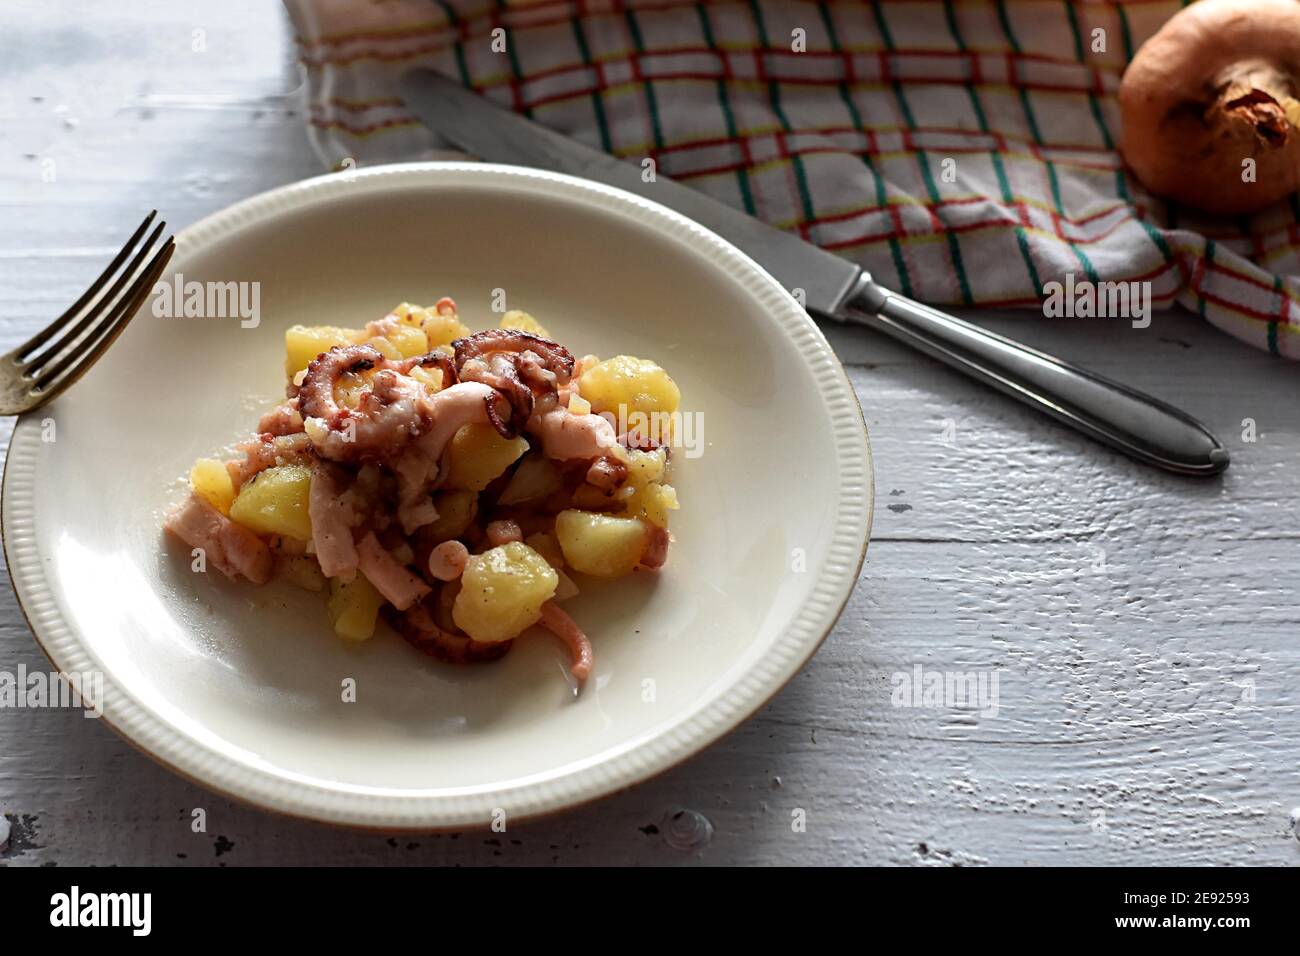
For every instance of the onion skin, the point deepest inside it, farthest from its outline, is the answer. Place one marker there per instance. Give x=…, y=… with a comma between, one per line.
x=1215, y=86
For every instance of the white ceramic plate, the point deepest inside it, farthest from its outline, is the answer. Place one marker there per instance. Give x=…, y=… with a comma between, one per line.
x=240, y=688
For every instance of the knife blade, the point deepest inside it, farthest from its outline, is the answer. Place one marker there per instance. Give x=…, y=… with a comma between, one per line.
x=832, y=288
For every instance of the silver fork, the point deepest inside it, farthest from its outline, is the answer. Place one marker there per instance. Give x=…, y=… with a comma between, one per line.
x=54, y=358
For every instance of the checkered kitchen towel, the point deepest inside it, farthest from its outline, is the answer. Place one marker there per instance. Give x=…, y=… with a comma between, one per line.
x=846, y=142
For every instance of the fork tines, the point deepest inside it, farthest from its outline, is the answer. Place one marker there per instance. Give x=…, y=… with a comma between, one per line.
x=64, y=350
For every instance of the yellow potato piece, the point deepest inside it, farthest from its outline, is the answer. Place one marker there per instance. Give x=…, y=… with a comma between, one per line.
x=442, y=329
x=546, y=544
x=409, y=340
x=275, y=502
x=353, y=607
x=631, y=383
x=534, y=479
x=644, y=494
x=517, y=319
x=599, y=544
x=303, y=343
x=502, y=592
x=210, y=479
x=350, y=386
x=653, y=502
x=456, y=509
x=385, y=348
x=430, y=378
x=407, y=314
x=478, y=454
x=644, y=467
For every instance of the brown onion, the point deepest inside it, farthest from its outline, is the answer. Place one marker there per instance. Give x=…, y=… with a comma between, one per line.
x=1215, y=87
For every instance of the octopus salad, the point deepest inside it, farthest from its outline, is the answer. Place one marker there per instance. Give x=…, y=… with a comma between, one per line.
x=458, y=484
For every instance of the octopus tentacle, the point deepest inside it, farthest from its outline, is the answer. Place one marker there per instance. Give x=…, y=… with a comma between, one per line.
x=393, y=412
x=284, y=419
x=316, y=393
x=554, y=357
x=435, y=359
x=536, y=375
x=448, y=560
x=446, y=412
x=502, y=374
x=555, y=620
x=607, y=473
x=566, y=436
x=505, y=427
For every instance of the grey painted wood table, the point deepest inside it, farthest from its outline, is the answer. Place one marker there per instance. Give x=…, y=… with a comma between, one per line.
x=1143, y=630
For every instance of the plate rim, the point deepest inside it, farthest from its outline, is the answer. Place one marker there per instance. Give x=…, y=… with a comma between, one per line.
x=598, y=777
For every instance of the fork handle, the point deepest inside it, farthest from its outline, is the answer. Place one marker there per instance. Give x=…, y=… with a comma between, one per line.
x=1142, y=427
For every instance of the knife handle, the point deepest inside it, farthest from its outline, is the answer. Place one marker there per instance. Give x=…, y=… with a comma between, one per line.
x=1142, y=427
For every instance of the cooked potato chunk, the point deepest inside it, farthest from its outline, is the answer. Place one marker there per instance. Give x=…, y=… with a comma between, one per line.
x=479, y=454
x=653, y=502
x=353, y=607
x=635, y=384
x=407, y=314
x=442, y=328
x=211, y=480
x=517, y=319
x=456, y=510
x=502, y=592
x=534, y=479
x=545, y=544
x=644, y=494
x=303, y=343
x=408, y=340
x=275, y=502
x=385, y=348
x=598, y=544
x=430, y=378
x=644, y=467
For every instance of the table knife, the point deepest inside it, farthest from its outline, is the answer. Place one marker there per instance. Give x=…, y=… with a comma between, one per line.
x=836, y=289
